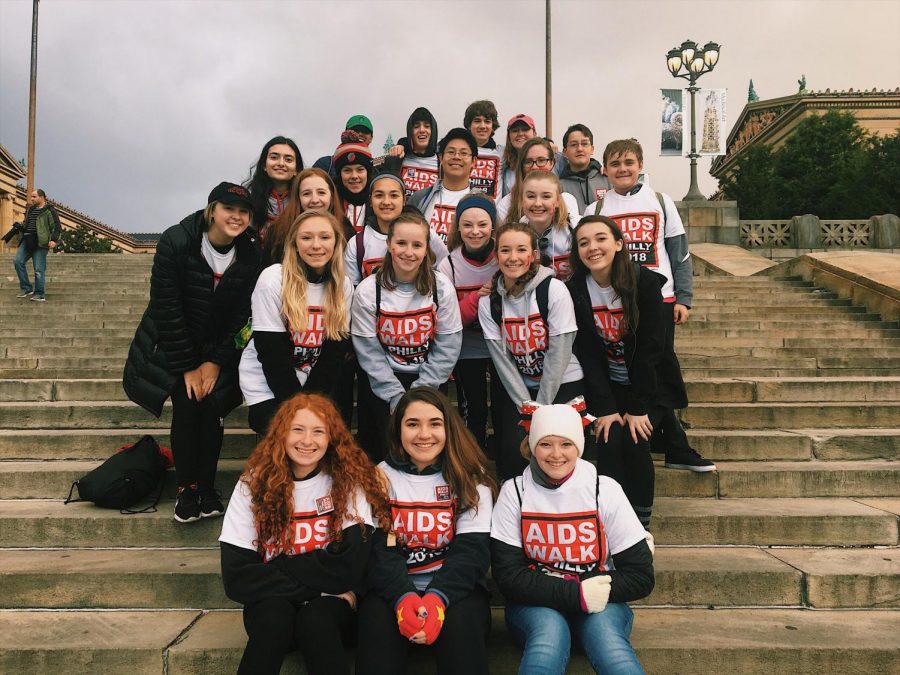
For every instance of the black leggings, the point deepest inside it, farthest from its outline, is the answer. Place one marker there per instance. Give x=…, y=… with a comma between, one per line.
x=668, y=434
x=320, y=629
x=196, y=438
x=459, y=650
x=628, y=462
x=472, y=395
x=510, y=462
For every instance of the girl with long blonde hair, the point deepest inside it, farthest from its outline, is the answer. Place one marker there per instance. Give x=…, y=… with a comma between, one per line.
x=297, y=535
x=301, y=321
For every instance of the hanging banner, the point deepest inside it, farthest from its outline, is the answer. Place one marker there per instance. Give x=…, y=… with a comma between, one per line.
x=711, y=122
x=672, y=139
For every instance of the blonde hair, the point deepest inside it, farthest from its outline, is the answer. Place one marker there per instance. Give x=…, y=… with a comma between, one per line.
x=295, y=285
x=561, y=215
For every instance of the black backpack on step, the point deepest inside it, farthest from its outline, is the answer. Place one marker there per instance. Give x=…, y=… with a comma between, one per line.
x=123, y=480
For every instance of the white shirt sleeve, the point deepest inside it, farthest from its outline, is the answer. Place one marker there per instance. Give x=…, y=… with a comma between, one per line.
x=437, y=245
x=266, y=301
x=622, y=527
x=489, y=327
x=506, y=523
x=350, y=262
x=448, y=318
x=674, y=224
x=363, y=312
x=561, y=310
x=480, y=520
x=238, y=527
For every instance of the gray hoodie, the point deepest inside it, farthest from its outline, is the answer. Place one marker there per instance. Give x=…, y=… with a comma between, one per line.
x=556, y=357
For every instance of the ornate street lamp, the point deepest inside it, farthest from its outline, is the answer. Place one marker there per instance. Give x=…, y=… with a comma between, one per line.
x=690, y=62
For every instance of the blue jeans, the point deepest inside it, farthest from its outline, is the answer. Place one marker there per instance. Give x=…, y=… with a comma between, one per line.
x=39, y=260
x=546, y=637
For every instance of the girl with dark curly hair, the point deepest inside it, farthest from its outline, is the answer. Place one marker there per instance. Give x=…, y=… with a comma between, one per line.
x=297, y=536
x=426, y=578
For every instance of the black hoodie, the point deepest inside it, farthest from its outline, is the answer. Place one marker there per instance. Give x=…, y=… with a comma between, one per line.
x=420, y=115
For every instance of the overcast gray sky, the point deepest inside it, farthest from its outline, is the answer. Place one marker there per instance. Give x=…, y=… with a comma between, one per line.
x=144, y=105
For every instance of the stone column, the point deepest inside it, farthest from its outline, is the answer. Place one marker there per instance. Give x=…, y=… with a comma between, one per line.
x=806, y=231
x=885, y=231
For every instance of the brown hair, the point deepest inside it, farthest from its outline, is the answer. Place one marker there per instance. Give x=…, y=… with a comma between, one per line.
x=271, y=481
x=523, y=280
x=620, y=147
x=454, y=239
x=464, y=463
x=515, y=200
x=425, y=281
x=623, y=277
x=483, y=108
x=277, y=233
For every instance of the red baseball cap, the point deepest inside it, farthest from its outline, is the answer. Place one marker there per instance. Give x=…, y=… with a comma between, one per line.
x=521, y=118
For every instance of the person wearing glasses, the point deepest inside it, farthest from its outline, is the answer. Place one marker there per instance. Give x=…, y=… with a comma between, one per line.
x=536, y=155
x=457, y=152
x=583, y=177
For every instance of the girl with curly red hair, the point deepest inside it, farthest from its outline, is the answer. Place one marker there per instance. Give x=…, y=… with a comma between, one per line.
x=297, y=536
x=426, y=578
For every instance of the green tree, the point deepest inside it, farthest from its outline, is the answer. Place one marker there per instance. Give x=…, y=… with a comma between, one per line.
x=752, y=184
x=829, y=167
x=83, y=240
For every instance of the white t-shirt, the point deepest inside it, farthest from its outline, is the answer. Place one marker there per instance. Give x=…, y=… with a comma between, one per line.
x=606, y=307
x=267, y=317
x=640, y=218
x=442, y=209
x=485, y=174
x=218, y=262
x=311, y=520
x=374, y=250
x=574, y=529
x=406, y=321
x=425, y=517
x=468, y=277
x=525, y=334
x=418, y=173
x=356, y=215
x=505, y=204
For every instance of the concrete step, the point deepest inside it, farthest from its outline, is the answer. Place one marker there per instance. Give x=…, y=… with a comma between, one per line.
x=67, y=333
x=42, y=479
x=773, y=340
x=753, y=522
x=97, y=444
x=777, y=415
x=785, y=310
x=888, y=365
x=97, y=350
x=795, y=444
x=746, y=641
x=726, y=349
x=700, y=370
x=705, y=576
x=790, y=336
x=91, y=414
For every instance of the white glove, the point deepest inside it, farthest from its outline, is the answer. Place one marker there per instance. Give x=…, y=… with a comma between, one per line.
x=595, y=593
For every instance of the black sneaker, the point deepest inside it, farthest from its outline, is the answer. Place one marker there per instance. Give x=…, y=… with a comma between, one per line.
x=187, y=506
x=210, y=504
x=25, y=294
x=37, y=298
x=689, y=460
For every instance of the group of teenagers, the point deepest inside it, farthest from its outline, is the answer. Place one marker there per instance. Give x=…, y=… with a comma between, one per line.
x=363, y=287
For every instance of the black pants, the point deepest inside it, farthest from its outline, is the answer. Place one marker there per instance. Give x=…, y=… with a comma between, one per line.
x=260, y=414
x=320, y=629
x=472, y=377
x=459, y=650
x=373, y=438
x=668, y=434
x=509, y=456
x=628, y=462
x=196, y=438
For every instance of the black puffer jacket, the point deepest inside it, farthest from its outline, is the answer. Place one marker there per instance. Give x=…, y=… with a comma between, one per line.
x=655, y=374
x=188, y=322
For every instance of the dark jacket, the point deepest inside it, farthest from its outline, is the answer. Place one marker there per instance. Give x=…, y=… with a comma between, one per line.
x=586, y=186
x=654, y=373
x=189, y=322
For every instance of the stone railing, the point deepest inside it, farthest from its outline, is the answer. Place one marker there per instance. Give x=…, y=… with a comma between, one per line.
x=811, y=232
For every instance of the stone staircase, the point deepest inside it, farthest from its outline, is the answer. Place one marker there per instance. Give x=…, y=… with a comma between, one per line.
x=794, y=393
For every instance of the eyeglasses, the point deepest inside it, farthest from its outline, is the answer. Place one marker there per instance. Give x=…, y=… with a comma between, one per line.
x=462, y=154
x=579, y=144
x=540, y=162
